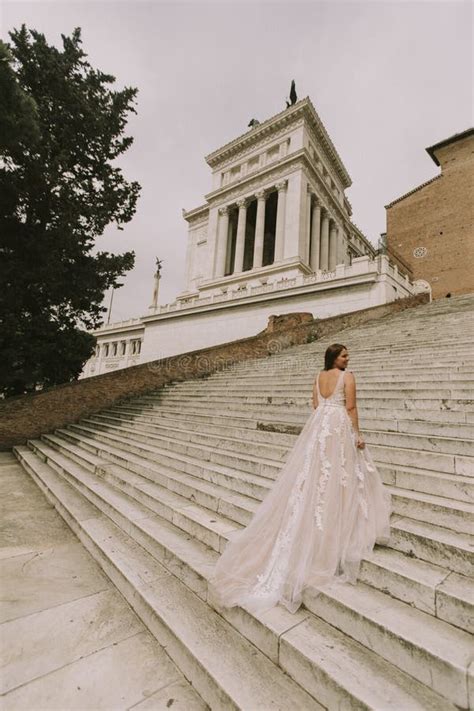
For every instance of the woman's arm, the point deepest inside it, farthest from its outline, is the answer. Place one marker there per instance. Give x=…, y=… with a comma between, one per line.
x=351, y=405
x=315, y=393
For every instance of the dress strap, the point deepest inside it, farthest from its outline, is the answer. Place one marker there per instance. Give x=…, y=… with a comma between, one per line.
x=338, y=384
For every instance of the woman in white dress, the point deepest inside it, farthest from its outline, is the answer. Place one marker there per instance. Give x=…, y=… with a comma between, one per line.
x=325, y=512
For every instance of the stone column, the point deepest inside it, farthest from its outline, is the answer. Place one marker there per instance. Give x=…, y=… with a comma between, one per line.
x=223, y=227
x=280, y=221
x=340, y=246
x=347, y=258
x=156, y=287
x=315, y=236
x=259, y=230
x=324, y=254
x=189, y=260
x=332, y=245
x=240, y=244
x=307, y=241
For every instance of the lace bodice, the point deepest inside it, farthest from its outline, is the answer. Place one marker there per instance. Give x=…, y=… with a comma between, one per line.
x=337, y=397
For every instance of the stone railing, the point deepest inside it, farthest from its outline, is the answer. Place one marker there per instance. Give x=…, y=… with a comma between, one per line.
x=29, y=416
x=360, y=265
x=121, y=324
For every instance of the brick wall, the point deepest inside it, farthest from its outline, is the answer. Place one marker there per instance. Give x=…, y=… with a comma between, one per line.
x=439, y=216
x=29, y=416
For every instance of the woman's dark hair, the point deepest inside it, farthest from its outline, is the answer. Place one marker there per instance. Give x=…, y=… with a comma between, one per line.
x=331, y=354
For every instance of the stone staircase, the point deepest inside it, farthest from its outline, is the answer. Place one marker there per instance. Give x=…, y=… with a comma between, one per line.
x=154, y=486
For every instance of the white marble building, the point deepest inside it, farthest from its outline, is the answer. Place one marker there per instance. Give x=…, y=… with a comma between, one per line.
x=273, y=236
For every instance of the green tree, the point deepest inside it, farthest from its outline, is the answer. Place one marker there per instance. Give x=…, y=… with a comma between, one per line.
x=61, y=128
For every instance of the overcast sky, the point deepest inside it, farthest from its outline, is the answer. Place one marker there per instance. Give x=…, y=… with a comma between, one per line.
x=387, y=79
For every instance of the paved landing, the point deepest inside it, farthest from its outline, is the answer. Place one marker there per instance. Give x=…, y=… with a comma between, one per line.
x=68, y=639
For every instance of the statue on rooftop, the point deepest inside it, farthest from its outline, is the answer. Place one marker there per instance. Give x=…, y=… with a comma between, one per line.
x=293, y=95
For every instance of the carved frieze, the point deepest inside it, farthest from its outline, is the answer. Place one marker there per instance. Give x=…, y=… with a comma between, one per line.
x=253, y=185
x=259, y=144
x=201, y=219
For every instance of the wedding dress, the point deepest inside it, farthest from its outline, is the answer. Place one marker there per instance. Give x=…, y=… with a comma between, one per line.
x=325, y=511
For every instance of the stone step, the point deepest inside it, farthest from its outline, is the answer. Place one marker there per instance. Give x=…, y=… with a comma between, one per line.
x=390, y=362
x=297, y=658
x=427, y=587
x=205, y=522
x=459, y=399
x=293, y=387
x=422, y=427
x=310, y=362
x=431, y=650
x=442, y=511
x=414, y=333
x=302, y=377
x=263, y=418
x=434, y=509
x=447, y=485
x=185, y=428
x=210, y=652
x=402, y=456
x=460, y=558
x=238, y=442
x=165, y=425
x=404, y=409
x=302, y=371
x=299, y=369
x=401, y=399
x=274, y=364
x=152, y=446
x=372, y=343
x=263, y=466
x=421, y=442
x=167, y=436
x=378, y=347
x=117, y=451
x=456, y=515
x=364, y=350
x=382, y=339
x=461, y=464
x=450, y=486
x=303, y=398
x=440, y=546
x=212, y=496
x=205, y=525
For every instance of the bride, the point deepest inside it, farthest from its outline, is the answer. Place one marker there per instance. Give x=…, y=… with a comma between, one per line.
x=325, y=511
